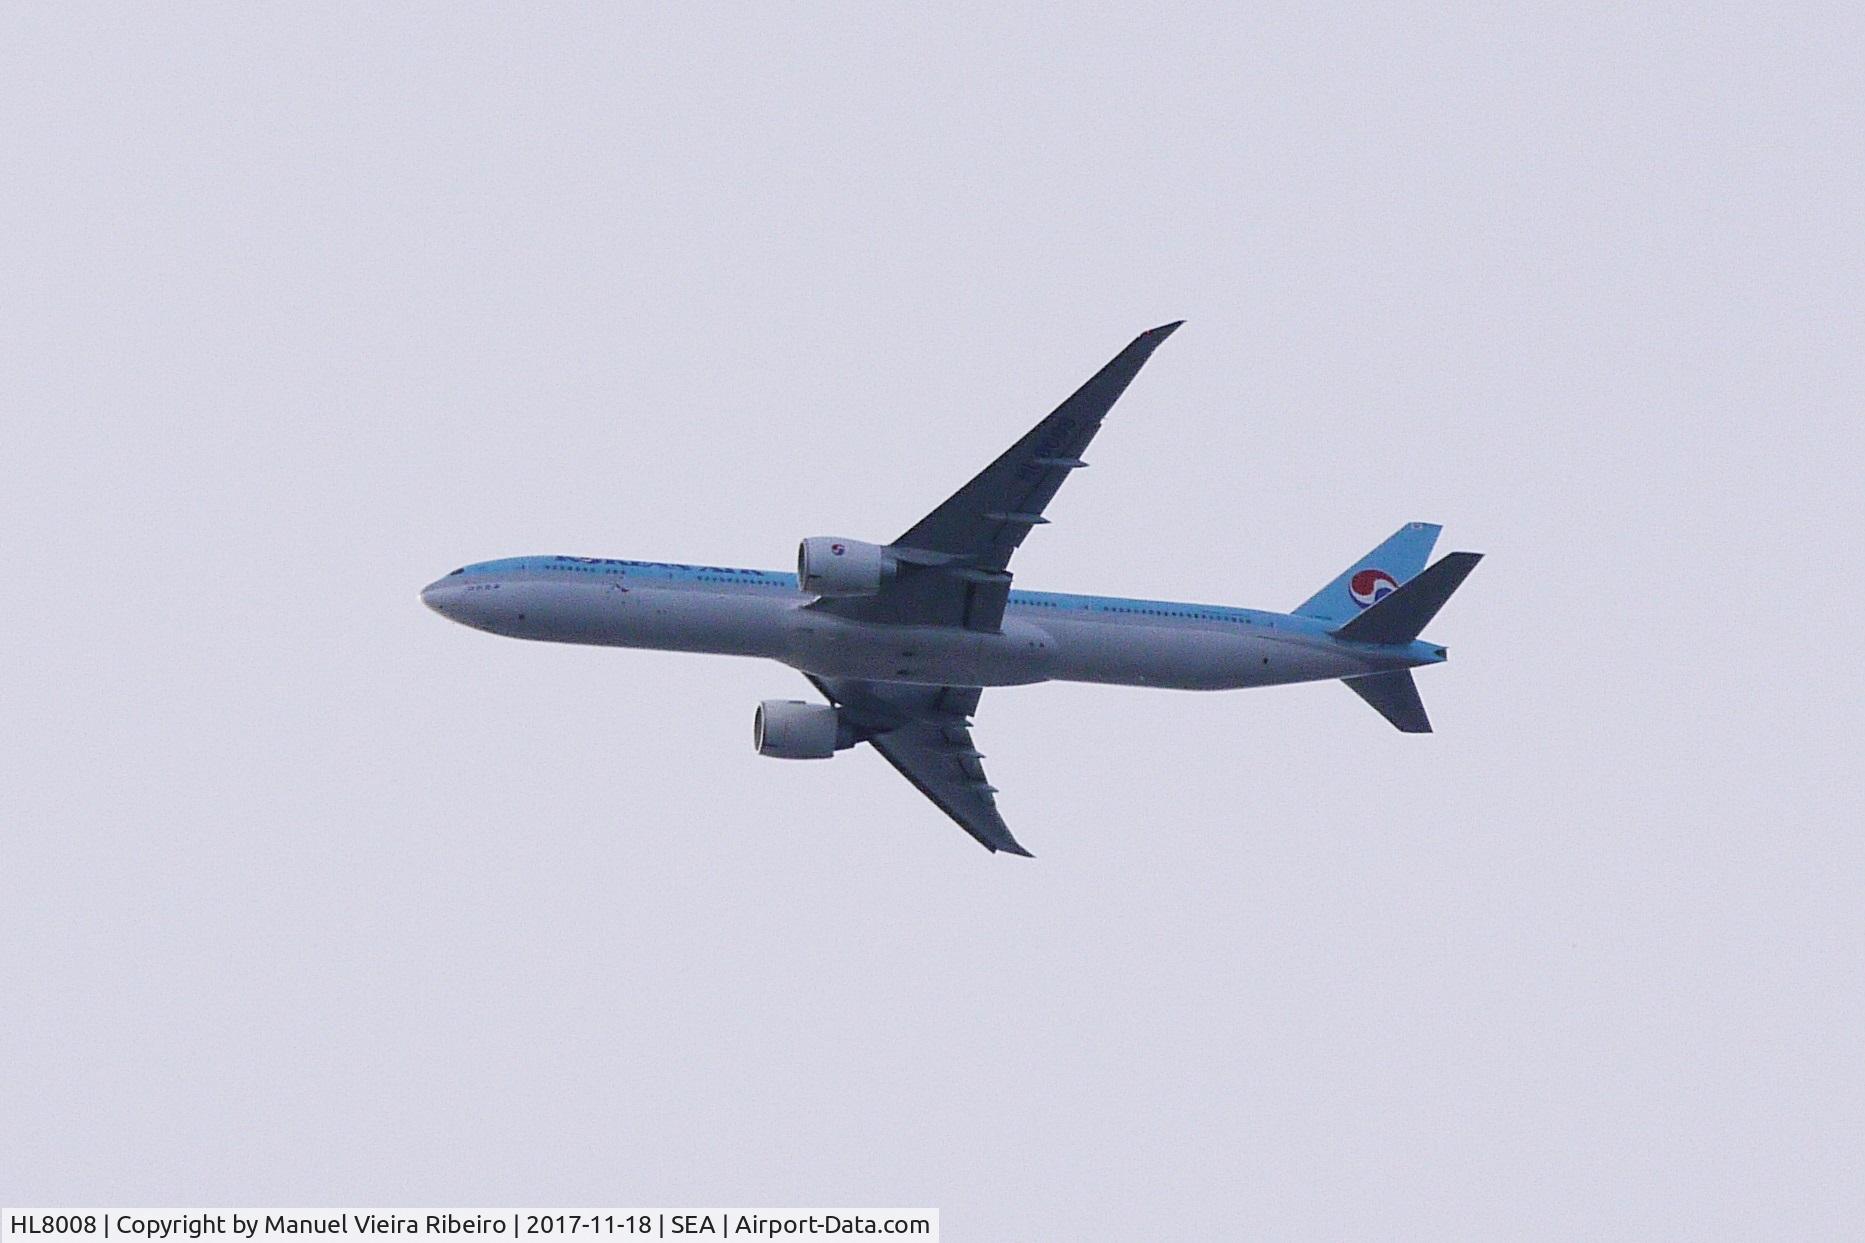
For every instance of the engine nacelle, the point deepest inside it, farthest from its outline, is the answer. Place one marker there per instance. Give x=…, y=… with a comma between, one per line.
x=789, y=729
x=827, y=566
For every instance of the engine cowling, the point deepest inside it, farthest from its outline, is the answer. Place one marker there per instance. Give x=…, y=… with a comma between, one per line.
x=828, y=566
x=789, y=729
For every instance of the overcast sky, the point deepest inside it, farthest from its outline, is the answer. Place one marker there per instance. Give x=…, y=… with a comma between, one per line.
x=308, y=897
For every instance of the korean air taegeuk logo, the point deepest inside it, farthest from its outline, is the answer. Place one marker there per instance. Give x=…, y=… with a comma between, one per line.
x=1370, y=587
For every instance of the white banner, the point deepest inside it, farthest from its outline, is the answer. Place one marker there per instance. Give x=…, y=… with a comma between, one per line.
x=460, y=1225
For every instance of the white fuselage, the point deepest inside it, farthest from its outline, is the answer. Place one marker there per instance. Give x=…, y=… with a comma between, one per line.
x=1044, y=636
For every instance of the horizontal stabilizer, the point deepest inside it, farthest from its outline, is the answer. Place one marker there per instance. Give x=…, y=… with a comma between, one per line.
x=1395, y=697
x=1400, y=615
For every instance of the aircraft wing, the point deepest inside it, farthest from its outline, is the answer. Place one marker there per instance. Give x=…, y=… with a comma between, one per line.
x=951, y=564
x=924, y=731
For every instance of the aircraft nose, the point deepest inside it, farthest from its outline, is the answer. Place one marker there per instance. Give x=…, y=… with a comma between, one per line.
x=440, y=595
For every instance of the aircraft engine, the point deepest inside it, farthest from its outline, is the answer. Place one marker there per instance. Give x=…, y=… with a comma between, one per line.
x=789, y=729
x=827, y=566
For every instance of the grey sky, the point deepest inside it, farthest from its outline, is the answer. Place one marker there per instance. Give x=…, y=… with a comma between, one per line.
x=309, y=897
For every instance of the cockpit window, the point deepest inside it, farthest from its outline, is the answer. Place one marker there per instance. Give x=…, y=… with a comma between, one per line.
x=461, y=570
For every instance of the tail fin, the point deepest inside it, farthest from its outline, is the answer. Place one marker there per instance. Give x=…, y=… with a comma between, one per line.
x=1401, y=614
x=1394, y=696
x=1374, y=576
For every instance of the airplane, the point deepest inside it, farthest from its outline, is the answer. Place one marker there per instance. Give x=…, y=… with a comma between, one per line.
x=901, y=639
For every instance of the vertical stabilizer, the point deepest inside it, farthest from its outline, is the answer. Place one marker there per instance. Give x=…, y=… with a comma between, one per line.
x=1375, y=576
